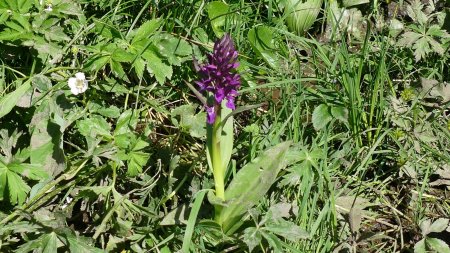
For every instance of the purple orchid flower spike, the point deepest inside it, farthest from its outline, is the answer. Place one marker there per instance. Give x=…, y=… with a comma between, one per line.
x=218, y=76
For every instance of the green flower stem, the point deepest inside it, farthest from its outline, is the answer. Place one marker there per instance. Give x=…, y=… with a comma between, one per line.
x=216, y=158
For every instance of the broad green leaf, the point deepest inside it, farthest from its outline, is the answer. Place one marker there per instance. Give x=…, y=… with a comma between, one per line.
x=46, y=139
x=408, y=39
x=78, y=244
x=157, y=67
x=124, y=140
x=127, y=122
x=7, y=102
x=120, y=55
x=435, y=30
x=31, y=171
x=278, y=211
x=261, y=41
x=340, y=113
x=344, y=204
x=49, y=243
x=41, y=82
x=139, y=67
x=250, y=184
x=94, y=126
x=4, y=15
x=177, y=216
x=217, y=12
x=172, y=48
x=301, y=15
x=436, y=46
x=117, y=70
x=355, y=219
x=23, y=20
x=414, y=10
x=252, y=237
x=273, y=241
x=56, y=33
x=395, y=27
x=286, y=229
x=137, y=160
x=95, y=191
x=106, y=30
x=184, y=117
x=17, y=188
x=46, y=49
x=109, y=111
x=437, y=245
x=113, y=86
x=23, y=6
x=321, y=116
x=20, y=227
x=421, y=48
x=69, y=8
x=165, y=250
x=438, y=226
x=96, y=63
x=13, y=35
x=420, y=247
x=44, y=243
x=132, y=151
x=146, y=30
x=7, y=143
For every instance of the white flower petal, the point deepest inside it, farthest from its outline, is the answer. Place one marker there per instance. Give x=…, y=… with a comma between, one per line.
x=72, y=82
x=74, y=91
x=85, y=86
x=80, y=76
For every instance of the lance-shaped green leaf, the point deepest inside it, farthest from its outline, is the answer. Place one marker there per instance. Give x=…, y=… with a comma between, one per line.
x=8, y=102
x=250, y=184
x=226, y=136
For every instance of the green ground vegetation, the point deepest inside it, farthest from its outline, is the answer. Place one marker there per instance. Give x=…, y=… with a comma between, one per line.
x=362, y=93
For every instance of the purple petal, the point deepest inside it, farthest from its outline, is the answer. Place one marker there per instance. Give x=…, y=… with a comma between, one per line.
x=220, y=95
x=230, y=103
x=210, y=114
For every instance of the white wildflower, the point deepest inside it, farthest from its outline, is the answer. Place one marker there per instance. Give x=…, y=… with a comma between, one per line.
x=78, y=84
x=49, y=8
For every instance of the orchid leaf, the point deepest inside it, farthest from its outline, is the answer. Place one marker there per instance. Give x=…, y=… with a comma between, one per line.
x=226, y=136
x=250, y=184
